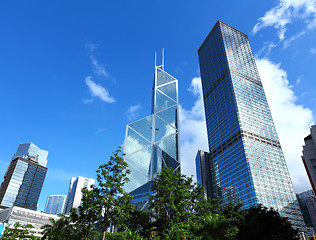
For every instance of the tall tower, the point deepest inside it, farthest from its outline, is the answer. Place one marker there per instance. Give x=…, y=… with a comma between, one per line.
x=152, y=143
x=242, y=138
x=24, y=177
x=74, y=193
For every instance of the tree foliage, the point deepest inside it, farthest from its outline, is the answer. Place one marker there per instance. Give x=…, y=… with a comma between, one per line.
x=113, y=203
x=60, y=229
x=18, y=231
x=85, y=216
x=262, y=223
x=176, y=210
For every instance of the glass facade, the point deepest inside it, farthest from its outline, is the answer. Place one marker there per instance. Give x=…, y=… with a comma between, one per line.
x=55, y=204
x=242, y=137
x=75, y=192
x=23, y=181
x=30, y=149
x=152, y=143
x=205, y=173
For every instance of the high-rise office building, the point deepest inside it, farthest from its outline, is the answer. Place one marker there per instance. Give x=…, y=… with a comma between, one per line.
x=205, y=173
x=242, y=138
x=308, y=205
x=152, y=143
x=55, y=204
x=309, y=156
x=24, y=177
x=74, y=193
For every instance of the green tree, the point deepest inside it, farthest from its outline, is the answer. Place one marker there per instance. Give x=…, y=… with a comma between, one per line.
x=173, y=201
x=79, y=224
x=18, y=231
x=113, y=203
x=84, y=217
x=262, y=223
x=179, y=211
x=61, y=229
x=215, y=222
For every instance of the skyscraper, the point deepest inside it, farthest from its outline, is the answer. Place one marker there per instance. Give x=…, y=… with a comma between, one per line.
x=307, y=201
x=152, y=143
x=205, y=173
x=74, y=193
x=242, y=138
x=55, y=204
x=309, y=156
x=24, y=177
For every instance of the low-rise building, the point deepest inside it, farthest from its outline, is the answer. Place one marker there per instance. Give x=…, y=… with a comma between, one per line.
x=25, y=216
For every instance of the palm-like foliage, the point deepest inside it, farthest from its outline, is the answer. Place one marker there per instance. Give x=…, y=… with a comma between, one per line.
x=60, y=229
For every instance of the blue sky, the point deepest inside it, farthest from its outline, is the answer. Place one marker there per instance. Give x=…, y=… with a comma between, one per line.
x=74, y=73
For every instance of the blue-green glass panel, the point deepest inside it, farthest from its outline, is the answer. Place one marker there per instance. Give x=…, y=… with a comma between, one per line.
x=170, y=90
x=169, y=145
x=134, y=142
x=140, y=160
x=162, y=129
x=156, y=161
x=143, y=127
x=169, y=115
x=162, y=102
x=136, y=179
x=163, y=77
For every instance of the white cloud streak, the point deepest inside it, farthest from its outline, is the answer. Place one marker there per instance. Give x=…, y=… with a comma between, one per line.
x=133, y=112
x=266, y=49
x=285, y=13
x=98, y=69
x=89, y=100
x=98, y=91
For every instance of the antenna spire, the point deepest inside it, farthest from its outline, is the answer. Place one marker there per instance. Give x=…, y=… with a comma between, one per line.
x=155, y=59
x=163, y=59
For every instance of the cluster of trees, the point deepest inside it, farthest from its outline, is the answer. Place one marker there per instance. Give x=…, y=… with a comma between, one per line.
x=176, y=210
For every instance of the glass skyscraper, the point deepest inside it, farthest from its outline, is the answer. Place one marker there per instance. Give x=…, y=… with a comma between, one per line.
x=242, y=138
x=24, y=177
x=152, y=143
x=75, y=192
x=55, y=204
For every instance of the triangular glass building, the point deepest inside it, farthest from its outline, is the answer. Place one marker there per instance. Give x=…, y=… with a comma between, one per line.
x=152, y=143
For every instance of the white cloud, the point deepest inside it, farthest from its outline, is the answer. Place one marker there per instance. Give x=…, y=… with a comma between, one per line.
x=98, y=91
x=312, y=50
x=266, y=49
x=89, y=100
x=285, y=13
x=193, y=134
x=101, y=130
x=287, y=42
x=133, y=112
x=298, y=80
x=292, y=120
x=98, y=69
